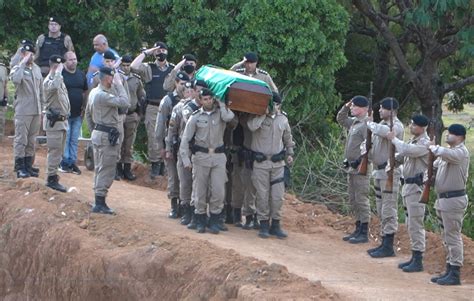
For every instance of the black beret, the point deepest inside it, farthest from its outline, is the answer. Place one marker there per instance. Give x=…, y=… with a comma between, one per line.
x=276, y=97
x=127, y=58
x=182, y=76
x=206, y=92
x=388, y=103
x=28, y=47
x=55, y=19
x=26, y=41
x=56, y=58
x=360, y=101
x=109, y=55
x=251, y=57
x=200, y=83
x=457, y=129
x=420, y=120
x=107, y=70
x=160, y=45
x=189, y=57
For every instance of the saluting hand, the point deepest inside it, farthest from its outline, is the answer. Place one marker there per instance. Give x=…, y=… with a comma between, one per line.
x=349, y=103
x=26, y=58
x=60, y=68
x=117, y=79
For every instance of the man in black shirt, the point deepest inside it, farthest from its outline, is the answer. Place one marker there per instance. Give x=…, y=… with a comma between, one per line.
x=76, y=84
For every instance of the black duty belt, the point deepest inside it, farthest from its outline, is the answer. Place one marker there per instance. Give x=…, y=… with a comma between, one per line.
x=217, y=150
x=260, y=157
x=451, y=194
x=418, y=179
x=153, y=103
x=381, y=166
x=104, y=128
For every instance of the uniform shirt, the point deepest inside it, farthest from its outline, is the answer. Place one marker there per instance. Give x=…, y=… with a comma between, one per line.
x=28, y=82
x=56, y=98
x=259, y=74
x=164, y=113
x=96, y=82
x=357, y=132
x=380, y=151
x=207, y=128
x=415, y=154
x=3, y=80
x=271, y=134
x=102, y=107
x=76, y=85
x=176, y=124
x=453, y=166
x=135, y=88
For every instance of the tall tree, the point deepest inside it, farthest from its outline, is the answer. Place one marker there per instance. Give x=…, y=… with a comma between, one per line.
x=432, y=31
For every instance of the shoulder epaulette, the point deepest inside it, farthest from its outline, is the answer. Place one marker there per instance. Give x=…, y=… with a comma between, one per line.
x=95, y=73
x=2, y=64
x=136, y=75
x=284, y=113
x=262, y=71
x=121, y=71
x=240, y=70
x=195, y=112
x=172, y=65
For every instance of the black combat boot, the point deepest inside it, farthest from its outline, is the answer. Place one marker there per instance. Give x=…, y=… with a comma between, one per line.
x=214, y=224
x=101, y=207
x=264, y=229
x=387, y=248
x=186, y=219
x=200, y=222
x=436, y=278
x=20, y=168
x=53, y=183
x=229, y=217
x=221, y=221
x=362, y=236
x=157, y=169
x=376, y=248
x=406, y=263
x=174, y=208
x=248, y=222
x=33, y=171
x=452, y=278
x=193, y=223
x=416, y=264
x=119, y=172
x=127, y=172
x=276, y=230
x=237, y=217
x=353, y=234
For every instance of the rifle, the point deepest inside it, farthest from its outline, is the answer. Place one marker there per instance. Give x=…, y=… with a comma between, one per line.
x=425, y=196
x=391, y=159
x=368, y=142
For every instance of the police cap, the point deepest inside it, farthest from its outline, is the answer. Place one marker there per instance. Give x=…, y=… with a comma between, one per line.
x=56, y=58
x=107, y=70
x=457, y=129
x=420, y=120
x=251, y=57
x=360, y=101
x=388, y=103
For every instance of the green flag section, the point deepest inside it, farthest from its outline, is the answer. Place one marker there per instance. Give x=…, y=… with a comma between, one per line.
x=219, y=80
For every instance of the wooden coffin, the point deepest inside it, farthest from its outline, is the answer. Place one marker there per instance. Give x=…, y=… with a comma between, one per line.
x=250, y=98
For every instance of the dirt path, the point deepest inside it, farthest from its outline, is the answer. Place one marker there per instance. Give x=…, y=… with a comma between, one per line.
x=343, y=268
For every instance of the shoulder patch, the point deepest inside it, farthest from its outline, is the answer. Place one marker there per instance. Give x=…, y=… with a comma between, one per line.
x=240, y=70
x=262, y=71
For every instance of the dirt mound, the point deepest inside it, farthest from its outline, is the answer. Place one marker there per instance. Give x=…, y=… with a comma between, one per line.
x=51, y=248
x=310, y=218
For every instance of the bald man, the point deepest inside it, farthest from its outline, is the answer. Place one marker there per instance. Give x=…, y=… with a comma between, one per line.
x=101, y=45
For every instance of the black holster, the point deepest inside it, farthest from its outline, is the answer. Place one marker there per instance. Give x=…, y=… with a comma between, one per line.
x=175, y=146
x=113, y=133
x=54, y=116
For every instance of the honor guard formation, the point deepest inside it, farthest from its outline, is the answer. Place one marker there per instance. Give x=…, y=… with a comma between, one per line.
x=225, y=166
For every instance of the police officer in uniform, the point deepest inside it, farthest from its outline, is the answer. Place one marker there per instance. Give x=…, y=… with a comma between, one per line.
x=452, y=166
x=153, y=75
x=53, y=42
x=57, y=110
x=415, y=153
x=386, y=201
x=3, y=98
x=130, y=124
x=162, y=122
x=187, y=65
x=179, y=116
x=358, y=185
x=28, y=81
x=205, y=132
x=272, y=143
x=248, y=66
x=102, y=114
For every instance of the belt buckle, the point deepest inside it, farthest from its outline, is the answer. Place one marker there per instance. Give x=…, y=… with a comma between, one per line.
x=211, y=150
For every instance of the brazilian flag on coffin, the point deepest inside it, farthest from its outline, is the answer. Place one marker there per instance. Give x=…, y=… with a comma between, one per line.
x=246, y=94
